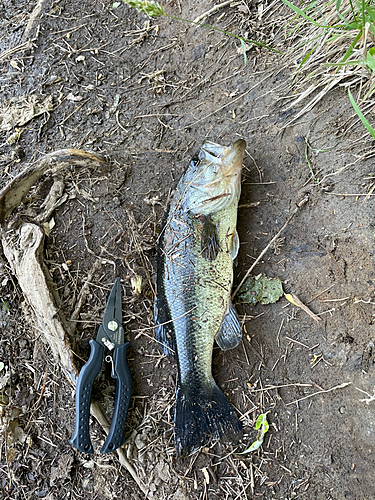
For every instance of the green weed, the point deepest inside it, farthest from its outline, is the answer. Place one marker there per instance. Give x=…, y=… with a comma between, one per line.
x=363, y=119
x=333, y=42
x=341, y=29
x=262, y=426
x=4, y=304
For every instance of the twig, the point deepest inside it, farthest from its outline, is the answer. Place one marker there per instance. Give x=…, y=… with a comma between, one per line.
x=40, y=397
x=293, y=299
x=366, y=400
x=278, y=333
x=6, y=53
x=82, y=294
x=34, y=18
x=341, y=386
x=100, y=417
x=297, y=207
x=298, y=342
x=351, y=194
x=214, y=9
x=320, y=293
x=268, y=388
x=72, y=113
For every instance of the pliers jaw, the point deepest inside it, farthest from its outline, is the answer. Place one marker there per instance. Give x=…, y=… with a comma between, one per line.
x=111, y=336
x=111, y=331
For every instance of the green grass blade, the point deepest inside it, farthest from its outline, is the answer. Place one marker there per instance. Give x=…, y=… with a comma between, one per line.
x=303, y=14
x=351, y=47
x=4, y=304
x=371, y=12
x=370, y=61
x=341, y=64
x=341, y=16
x=371, y=18
x=244, y=52
x=305, y=59
x=361, y=116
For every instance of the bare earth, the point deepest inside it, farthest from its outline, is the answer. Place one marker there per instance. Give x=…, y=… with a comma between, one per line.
x=145, y=94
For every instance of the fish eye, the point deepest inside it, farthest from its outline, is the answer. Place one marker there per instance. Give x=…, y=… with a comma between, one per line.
x=195, y=161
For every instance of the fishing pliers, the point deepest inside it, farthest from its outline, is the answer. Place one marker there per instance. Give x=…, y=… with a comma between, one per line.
x=111, y=336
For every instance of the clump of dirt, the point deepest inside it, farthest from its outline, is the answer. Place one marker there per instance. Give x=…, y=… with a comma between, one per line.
x=145, y=94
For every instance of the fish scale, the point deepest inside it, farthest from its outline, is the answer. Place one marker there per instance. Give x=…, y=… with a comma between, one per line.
x=203, y=289
x=194, y=280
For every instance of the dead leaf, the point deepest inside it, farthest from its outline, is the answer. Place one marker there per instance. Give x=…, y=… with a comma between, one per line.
x=74, y=98
x=18, y=111
x=293, y=299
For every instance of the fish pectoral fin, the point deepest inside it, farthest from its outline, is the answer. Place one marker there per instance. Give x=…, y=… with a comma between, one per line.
x=230, y=331
x=210, y=246
x=164, y=329
x=234, y=245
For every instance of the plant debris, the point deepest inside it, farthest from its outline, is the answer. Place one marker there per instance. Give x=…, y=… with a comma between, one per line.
x=293, y=299
x=261, y=289
x=262, y=426
x=18, y=111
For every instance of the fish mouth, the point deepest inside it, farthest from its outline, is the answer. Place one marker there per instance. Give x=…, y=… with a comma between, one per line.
x=229, y=158
x=235, y=155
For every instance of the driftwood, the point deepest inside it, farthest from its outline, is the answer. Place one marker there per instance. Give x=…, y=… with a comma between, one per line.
x=23, y=251
x=23, y=248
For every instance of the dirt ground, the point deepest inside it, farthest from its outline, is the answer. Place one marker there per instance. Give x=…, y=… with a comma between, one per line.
x=145, y=94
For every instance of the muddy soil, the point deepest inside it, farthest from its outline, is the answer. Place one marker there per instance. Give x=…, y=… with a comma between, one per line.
x=145, y=94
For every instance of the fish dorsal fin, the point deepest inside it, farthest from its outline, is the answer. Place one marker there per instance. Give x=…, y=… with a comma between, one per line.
x=210, y=246
x=164, y=328
x=229, y=334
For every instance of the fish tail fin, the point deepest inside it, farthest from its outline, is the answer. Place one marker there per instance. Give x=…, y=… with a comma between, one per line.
x=202, y=413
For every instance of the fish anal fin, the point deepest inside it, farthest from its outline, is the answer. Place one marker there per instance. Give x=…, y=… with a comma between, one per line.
x=210, y=246
x=229, y=334
x=164, y=329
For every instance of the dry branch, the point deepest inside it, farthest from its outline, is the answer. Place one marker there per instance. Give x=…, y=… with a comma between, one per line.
x=22, y=248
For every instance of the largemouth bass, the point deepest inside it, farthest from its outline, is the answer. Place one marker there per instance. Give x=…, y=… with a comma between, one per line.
x=193, y=307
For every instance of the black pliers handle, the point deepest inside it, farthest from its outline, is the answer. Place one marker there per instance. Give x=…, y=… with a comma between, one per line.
x=111, y=336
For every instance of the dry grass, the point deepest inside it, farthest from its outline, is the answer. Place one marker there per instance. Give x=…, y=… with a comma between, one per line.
x=329, y=49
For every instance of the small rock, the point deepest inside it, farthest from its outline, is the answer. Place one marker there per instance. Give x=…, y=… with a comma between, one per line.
x=162, y=471
x=138, y=441
x=86, y=485
x=180, y=495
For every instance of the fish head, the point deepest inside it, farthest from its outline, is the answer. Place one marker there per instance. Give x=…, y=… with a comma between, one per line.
x=213, y=179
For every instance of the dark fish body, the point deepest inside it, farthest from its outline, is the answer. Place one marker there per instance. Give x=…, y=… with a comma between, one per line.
x=194, y=280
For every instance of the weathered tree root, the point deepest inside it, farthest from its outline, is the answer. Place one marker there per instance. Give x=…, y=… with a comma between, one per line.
x=12, y=195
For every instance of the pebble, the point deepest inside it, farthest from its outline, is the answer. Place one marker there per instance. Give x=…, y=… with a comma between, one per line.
x=162, y=471
x=138, y=441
